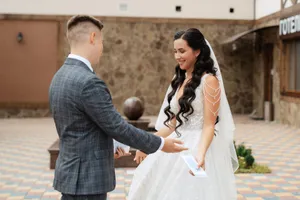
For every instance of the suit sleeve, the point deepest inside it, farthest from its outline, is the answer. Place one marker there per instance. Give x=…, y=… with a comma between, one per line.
x=98, y=106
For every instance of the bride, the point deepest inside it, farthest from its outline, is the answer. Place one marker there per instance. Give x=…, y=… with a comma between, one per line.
x=196, y=111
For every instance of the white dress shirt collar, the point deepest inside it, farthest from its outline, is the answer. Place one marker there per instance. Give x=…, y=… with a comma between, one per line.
x=85, y=61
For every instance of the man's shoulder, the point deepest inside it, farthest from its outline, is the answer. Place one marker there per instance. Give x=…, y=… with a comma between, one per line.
x=94, y=82
x=77, y=73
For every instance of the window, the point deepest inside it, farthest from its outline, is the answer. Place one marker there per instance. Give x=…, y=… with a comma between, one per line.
x=291, y=73
x=178, y=8
x=293, y=66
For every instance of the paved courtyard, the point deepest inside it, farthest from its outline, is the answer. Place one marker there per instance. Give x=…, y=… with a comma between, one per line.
x=25, y=173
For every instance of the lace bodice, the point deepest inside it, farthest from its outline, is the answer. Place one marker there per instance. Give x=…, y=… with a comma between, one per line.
x=195, y=120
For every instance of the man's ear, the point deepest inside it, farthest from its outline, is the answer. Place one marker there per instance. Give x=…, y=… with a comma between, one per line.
x=92, y=38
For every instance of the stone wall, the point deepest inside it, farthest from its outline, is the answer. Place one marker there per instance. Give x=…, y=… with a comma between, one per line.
x=138, y=58
x=276, y=83
x=258, y=82
x=138, y=61
x=24, y=113
x=289, y=110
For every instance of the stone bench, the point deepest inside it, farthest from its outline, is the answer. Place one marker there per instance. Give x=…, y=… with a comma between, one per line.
x=119, y=163
x=123, y=162
x=53, y=151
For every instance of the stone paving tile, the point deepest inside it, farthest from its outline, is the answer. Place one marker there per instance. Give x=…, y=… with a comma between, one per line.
x=25, y=173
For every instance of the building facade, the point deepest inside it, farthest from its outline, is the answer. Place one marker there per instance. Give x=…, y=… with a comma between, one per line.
x=276, y=77
x=255, y=42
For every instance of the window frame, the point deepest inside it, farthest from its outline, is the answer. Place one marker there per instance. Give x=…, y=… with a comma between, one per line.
x=285, y=91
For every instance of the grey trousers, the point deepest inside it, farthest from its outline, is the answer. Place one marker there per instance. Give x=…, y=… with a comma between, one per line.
x=84, y=197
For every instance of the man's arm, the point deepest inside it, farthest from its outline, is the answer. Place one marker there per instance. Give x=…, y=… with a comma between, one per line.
x=163, y=132
x=98, y=106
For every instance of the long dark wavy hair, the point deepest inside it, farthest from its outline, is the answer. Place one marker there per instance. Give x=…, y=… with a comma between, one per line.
x=204, y=64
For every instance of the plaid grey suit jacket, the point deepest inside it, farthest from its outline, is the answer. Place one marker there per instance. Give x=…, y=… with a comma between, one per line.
x=86, y=122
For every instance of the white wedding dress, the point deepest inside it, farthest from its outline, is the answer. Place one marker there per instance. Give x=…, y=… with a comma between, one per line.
x=163, y=176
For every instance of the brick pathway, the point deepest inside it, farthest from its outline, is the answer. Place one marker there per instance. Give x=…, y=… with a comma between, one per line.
x=25, y=174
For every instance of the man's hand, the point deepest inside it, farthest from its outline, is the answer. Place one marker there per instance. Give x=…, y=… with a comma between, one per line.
x=173, y=146
x=139, y=156
x=120, y=153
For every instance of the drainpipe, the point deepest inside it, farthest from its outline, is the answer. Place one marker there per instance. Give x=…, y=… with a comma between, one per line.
x=254, y=10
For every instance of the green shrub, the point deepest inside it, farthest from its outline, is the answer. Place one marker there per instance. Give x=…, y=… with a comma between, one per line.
x=247, y=161
x=241, y=150
x=248, y=152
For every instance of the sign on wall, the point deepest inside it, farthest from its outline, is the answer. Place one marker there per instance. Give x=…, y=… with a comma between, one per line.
x=289, y=25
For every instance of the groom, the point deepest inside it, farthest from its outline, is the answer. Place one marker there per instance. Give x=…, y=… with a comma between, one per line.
x=87, y=122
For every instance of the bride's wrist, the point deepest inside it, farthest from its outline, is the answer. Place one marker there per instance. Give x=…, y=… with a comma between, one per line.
x=201, y=153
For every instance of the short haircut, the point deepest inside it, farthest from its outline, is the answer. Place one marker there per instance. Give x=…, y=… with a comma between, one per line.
x=86, y=22
x=77, y=19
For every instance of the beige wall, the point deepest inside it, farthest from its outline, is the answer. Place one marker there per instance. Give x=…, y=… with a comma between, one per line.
x=218, y=9
x=266, y=7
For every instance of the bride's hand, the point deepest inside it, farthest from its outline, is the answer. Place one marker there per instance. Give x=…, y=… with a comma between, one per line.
x=139, y=156
x=120, y=153
x=201, y=163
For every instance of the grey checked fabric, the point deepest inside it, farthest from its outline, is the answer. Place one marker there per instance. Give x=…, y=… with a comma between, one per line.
x=86, y=122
